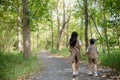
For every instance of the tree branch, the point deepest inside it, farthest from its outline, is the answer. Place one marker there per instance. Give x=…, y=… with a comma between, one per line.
x=79, y=4
x=96, y=26
x=63, y=26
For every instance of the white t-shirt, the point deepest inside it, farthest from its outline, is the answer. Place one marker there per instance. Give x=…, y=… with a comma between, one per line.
x=80, y=43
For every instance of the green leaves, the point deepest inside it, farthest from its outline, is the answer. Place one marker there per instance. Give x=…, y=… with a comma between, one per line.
x=38, y=9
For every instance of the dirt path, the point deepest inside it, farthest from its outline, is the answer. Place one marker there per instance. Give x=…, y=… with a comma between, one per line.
x=59, y=68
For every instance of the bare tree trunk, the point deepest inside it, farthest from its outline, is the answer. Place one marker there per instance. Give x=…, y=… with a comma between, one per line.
x=96, y=27
x=37, y=40
x=98, y=33
x=19, y=38
x=106, y=37
x=86, y=22
x=52, y=31
x=91, y=30
x=19, y=30
x=67, y=37
x=26, y=31
x=37, y=37
x=119, y=40
x=58, y=21
x=63, y=25
x=105, y=28
x=32, y=42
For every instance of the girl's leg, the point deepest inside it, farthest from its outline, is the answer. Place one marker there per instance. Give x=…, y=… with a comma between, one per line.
x=95, y=70
x=77, y=67
x=95, y=67
x=89, y=67
x=74, y=68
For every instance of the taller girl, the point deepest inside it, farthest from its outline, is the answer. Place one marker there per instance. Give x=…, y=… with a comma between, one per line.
x=75, y=47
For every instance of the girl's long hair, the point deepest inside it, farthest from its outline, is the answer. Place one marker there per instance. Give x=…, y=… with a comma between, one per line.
x=73, y=39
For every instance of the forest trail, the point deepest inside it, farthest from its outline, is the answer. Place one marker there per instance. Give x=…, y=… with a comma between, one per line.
x=59, y=68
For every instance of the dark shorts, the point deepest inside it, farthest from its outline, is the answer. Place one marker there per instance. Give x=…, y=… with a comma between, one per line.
x=94, y=61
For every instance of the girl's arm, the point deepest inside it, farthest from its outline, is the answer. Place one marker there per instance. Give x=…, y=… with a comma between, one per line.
x=65, y=32
x=87, y=52
x=80, y=44
x=81, y=47
x=97, y=51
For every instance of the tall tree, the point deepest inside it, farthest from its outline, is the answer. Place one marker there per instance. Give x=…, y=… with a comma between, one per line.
x=26, y=30
x=19, y=27
x=58, y=25
x=67, y=37
x=86, y=22
x=105, y=27
x=65, y=21
x=52, y=29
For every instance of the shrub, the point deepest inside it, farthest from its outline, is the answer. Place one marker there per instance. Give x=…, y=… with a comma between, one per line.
x=13, y=66
x=111, y=60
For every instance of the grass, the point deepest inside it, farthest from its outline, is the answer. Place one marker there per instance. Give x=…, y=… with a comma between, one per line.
x=13, y=66
x=111, y=60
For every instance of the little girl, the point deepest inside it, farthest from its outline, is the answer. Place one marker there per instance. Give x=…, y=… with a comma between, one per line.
x=74, y=47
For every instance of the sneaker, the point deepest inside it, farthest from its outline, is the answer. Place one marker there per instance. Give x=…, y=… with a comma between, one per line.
x=95, y=74
x=74, y=76
x=76, y=72
x=90, y=73
x=73, y=79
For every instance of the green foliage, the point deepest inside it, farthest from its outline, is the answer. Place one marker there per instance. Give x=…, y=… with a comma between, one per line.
x=101, y=39
x=63, y=51
x=40, y=23
x=38, y=11
x=8, y=23
x=112, y=6
x=82, y=57
x=13, y=66
x=113, y=41
x=111, y=60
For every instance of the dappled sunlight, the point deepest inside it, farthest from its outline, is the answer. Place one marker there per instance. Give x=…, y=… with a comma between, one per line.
x=38, y=34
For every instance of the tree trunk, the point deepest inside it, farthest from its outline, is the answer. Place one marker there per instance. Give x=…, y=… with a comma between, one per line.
x=19, y=30
x=26, y=30
x=32, y=42
x=67, y=37
x=19, y=38
x=91, y=33
x=96, y=26
x=86, y=22
x=119, y=40
x=37, y=37
x=58, y=21
x=63, y=24
x=103, y=50
x=106, y=37
x=105, y=28
x=52, y=31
